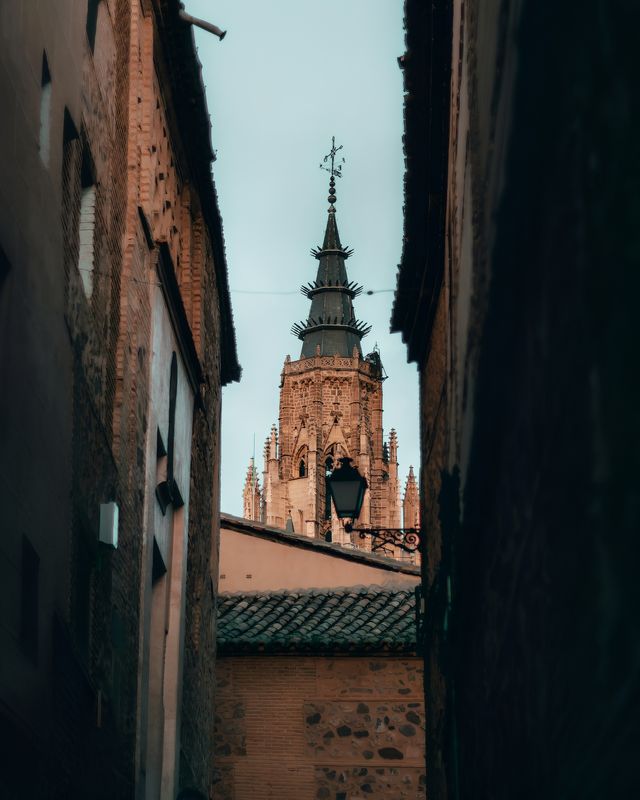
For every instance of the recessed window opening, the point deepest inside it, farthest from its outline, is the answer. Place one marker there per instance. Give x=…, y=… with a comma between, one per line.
x=328, y=469
x=86, y=250
x=92, y=22
x=44, y=144
x=302, y=469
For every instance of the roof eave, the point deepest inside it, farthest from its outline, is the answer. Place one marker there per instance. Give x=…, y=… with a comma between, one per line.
x=188, y=94
x=427, y=79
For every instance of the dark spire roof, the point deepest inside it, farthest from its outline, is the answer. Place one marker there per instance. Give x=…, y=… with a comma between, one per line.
x=331, y=323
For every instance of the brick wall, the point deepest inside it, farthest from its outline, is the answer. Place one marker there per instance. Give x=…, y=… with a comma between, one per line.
x=75, y=343
x=102, y=619
x=319, y=728
x=204, y=528
x=529, y=429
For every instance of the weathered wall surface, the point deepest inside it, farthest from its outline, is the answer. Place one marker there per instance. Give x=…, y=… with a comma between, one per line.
x=480, y=68
x=319, y=728
x=529, y=430
x=167, y=220
x=64, y=109
x=96, y=181
x=204, y=530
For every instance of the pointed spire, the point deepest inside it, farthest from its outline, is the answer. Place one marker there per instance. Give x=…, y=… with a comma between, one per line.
x=273, y=442
x=251, y=495
x=411, y=502
x=331, y=324
x=393, y=446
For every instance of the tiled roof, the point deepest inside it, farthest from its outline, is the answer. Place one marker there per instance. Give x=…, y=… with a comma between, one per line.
x=358, y=618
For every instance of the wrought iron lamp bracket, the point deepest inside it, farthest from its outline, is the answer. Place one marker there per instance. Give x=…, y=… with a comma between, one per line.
x=407, y=539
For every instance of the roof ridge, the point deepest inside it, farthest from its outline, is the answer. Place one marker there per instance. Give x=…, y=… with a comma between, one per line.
x=361, y=589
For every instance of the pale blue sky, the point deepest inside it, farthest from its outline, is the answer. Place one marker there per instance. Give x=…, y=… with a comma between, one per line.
x=288, y=77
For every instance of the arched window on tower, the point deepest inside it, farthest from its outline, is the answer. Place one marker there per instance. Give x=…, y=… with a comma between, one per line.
x=328, y=469
x=300, y=466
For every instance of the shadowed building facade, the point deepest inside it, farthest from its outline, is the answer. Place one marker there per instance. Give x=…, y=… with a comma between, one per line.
x=517, y=299
x=116, y=336
x=330, y=407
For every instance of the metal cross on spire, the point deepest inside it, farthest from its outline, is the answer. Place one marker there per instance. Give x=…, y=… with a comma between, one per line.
x=335, y=171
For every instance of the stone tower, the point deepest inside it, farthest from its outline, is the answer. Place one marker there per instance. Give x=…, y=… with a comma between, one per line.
x=330, y=406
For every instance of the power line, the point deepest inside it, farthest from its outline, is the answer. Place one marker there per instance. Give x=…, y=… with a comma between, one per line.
x=260, y=291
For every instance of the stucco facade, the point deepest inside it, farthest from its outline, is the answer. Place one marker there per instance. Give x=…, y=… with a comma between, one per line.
x=255, y=557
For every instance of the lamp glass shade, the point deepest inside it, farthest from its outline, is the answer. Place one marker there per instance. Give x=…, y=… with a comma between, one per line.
x=347, y=487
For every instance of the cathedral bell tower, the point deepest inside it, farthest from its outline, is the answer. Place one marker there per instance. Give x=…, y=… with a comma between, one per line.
x=330, y=406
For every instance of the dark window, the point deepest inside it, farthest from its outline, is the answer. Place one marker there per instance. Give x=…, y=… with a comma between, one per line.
x=29, y=600
x=302, y=469
x=158, y=568
x=163, y=492
x=167, y=491
x=87, y=222
x=69, y=130
x=44, y=145
x=328, y=469
x=173, y=397
x=92, y=22
x=71, y=155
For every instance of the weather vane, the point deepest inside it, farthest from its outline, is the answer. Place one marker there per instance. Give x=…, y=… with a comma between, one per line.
x=333, y=170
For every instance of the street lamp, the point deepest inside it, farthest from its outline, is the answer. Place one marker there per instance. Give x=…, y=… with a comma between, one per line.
x=347, y=487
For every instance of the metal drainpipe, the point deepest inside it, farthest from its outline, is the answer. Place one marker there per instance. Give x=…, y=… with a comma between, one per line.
x=200, y=23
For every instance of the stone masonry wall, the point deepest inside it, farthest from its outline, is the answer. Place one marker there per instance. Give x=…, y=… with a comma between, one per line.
x=319, y=728
x=329, y=405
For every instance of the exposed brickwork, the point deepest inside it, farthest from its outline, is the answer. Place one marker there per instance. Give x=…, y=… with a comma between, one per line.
x=164, y=206
x=80, y=276
x=98, y=156
x=314, y=728
x=204, y=533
